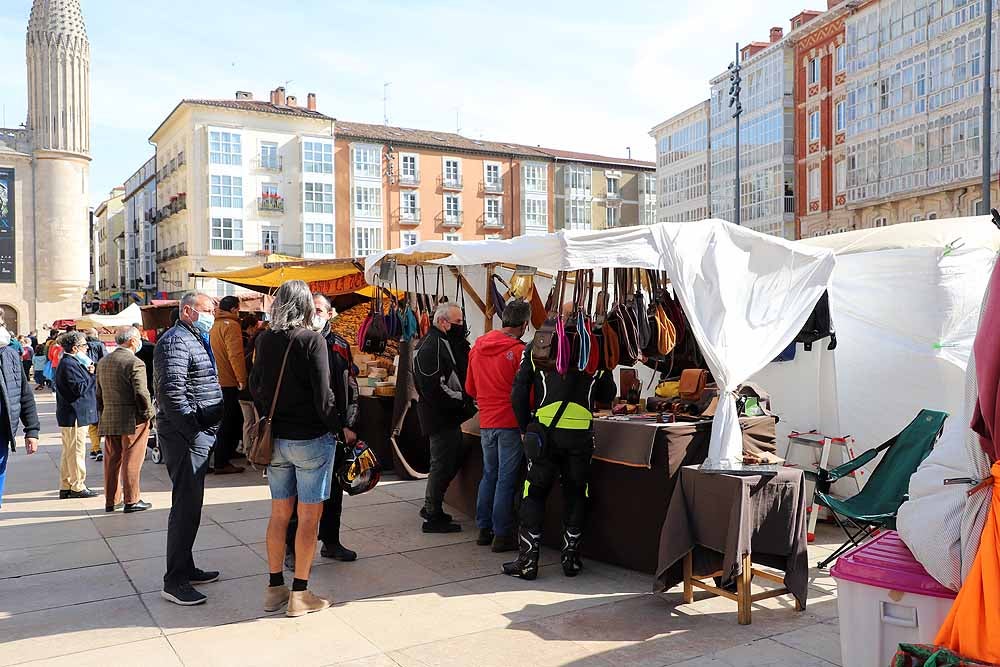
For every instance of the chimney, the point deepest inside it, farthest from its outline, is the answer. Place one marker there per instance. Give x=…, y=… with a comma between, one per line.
x=279, y=95
x=244, y=95
x=311, y=101
x=274, y=97
x=776, y=34
x=291, y=101
x=830, y=4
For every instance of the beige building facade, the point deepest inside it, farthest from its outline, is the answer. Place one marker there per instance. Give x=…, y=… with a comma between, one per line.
x=109, y=222
x=595, y=192
x=683, y=163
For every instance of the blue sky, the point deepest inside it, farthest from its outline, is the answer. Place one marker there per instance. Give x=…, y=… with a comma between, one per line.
x=586, y=75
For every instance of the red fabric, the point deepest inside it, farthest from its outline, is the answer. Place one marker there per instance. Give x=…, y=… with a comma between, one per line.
x=986, y=418
x=493, y=362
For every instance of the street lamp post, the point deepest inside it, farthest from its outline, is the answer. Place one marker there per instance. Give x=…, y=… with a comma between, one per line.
x=987, y=107
x=737, y=107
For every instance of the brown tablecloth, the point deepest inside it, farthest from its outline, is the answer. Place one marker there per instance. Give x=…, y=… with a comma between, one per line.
x=724, y=517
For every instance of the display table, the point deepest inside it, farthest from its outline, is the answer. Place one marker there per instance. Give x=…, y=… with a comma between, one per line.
x=720, y=525
x=628, y=499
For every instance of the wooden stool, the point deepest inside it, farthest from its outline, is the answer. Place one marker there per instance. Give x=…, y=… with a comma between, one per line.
x=743, y=597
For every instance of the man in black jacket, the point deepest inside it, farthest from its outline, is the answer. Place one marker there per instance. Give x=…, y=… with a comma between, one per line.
x=189, y=408
x=345, y=390
x=566, y=454
x=439, y=370
x=17, y=405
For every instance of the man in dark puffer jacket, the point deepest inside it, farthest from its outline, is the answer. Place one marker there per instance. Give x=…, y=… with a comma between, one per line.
x=189, y=402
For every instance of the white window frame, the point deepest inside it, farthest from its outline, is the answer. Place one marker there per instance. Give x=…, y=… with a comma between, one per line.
x=319, y=238
x=266, y=161
x=578, y=180
x=840, y=176
x=814, y=125
x=317, y=198
x=840, y=110
x=317, y=157
x=272, y=232
x=405, y=177
x=409, y=212
x=612, y=217
x=225, y=147
x=452, y=207
x=496, y=217
x=840, y=57
x=815, y=184
x=455, y=177
x=880, y=221
x=813, y=74
x=578, y=214
x=451, y=236
x=225, y=191
x=536, y=177
x=536, y=214
x=408, y=238
x=492, y=166
x=267, y=189
x=235, y=240
x=366, y=201
x=615, y=191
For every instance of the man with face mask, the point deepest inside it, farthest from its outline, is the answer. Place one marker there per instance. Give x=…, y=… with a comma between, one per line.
x=189, y=409
x=440, y=367
x=125, y=407
x=76, y=409
x=345, y=391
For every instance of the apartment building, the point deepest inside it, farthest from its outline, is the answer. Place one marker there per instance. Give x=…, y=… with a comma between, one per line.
x=140, y=231
x=239, y=179
x=599, y=192
x=399, y=186
x=821, y=124
x=109, y=219
x=767, y=157
x=683, y=164
x=914, y=110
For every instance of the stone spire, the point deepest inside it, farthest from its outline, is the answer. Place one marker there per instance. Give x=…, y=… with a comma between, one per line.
x=58, y=56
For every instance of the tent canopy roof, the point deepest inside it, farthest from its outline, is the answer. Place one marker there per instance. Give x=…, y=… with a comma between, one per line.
x=971, y=232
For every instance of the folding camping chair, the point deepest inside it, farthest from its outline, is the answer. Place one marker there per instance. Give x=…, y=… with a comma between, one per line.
x=874, y=507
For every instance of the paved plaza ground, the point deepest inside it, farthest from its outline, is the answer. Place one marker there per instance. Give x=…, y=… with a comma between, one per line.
x=81, y=587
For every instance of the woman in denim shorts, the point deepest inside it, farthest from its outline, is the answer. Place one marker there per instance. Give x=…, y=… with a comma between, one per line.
x=305, y=417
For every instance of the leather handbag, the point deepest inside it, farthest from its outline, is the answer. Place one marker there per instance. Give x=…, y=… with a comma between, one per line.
x=497, y=295
x=545, y=343
x=623, y=320
x=538, y=312
x=374, y=337
x=692, y=384
x=261, y=439
x=600, y=315
x=641, y=315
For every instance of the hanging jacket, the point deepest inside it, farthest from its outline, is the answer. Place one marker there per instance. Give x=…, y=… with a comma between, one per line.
x=551, y=389
x=493, y=363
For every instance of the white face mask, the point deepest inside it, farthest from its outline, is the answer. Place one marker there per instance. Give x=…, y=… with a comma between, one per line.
x=4, y=336
x=318, y=322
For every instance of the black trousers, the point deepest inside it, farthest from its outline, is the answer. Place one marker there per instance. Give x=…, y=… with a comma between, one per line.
x=187, y=463
x=568, y=459
x=231, y=429
x=329, y=522
x=446, y=459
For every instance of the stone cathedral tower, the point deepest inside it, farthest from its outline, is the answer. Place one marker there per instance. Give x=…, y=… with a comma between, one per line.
x=58, y=59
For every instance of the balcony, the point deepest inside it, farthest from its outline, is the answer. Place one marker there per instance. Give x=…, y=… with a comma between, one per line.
x=173, y=252
x=180, y=159
x=491, y=187
x=412, y=178
x=271, y=164
x=271, y=204
x=451, y=219
x=491, y=221
x=450, y=182
x=790, y=204
x=408, y=216
x=613, y=196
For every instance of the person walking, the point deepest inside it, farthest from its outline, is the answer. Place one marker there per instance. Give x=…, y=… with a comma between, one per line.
x=189, y=409
x=76, y=409
x=562, y=405
x=17, y=406
x=291, y=371
x=227, y=346
x=249, y=326
x=440, y=367
x=126, y=410
x=145, y=354
x=493, y=363
x=344, y=383
x=96, y=350
x=27, y=354
x=38, y=362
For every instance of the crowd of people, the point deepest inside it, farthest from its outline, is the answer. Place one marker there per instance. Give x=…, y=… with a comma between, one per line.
x=214, y=374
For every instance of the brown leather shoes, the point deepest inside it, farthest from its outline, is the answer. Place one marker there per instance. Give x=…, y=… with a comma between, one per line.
x=275, y=597
x=301, y=603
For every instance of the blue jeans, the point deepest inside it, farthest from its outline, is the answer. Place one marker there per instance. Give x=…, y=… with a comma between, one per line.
x=4, y=454
x=302, y=468
x=502, y=453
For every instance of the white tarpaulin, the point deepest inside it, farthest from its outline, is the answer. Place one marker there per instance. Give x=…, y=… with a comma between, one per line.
x=130, y=315
x=746, y=295
x=905, y=302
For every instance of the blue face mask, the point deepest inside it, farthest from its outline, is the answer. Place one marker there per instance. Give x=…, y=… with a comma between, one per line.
x=204, y=322
x=83, y=358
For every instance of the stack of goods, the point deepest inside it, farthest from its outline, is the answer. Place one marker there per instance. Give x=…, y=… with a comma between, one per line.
x=350, y=321
x=376, y=375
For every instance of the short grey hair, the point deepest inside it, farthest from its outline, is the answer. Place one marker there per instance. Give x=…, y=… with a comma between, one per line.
x=293, y=305
x=91, y=333
x=191, y=298
x=516, y=313
x=125, y=334
x=441, y=312
x=72, y=339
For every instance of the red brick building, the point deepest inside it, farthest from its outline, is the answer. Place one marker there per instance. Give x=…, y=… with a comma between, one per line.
x=821, y=122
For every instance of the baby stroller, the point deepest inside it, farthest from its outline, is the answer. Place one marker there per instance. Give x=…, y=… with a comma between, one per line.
x=153, y=445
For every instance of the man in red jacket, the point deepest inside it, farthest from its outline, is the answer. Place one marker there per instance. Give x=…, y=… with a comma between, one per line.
x=493, y=362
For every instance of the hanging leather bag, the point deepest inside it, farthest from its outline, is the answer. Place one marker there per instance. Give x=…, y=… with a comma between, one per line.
x=622, y=319
x=692, y=384
x=376, y=334
x=545, y=343
x=641, y=315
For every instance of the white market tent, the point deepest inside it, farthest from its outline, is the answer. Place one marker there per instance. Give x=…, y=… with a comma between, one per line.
x=746, y=294
x=905, y=301
x=128, y=316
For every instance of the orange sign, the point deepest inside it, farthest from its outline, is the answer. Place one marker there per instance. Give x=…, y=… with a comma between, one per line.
x=343, y=285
